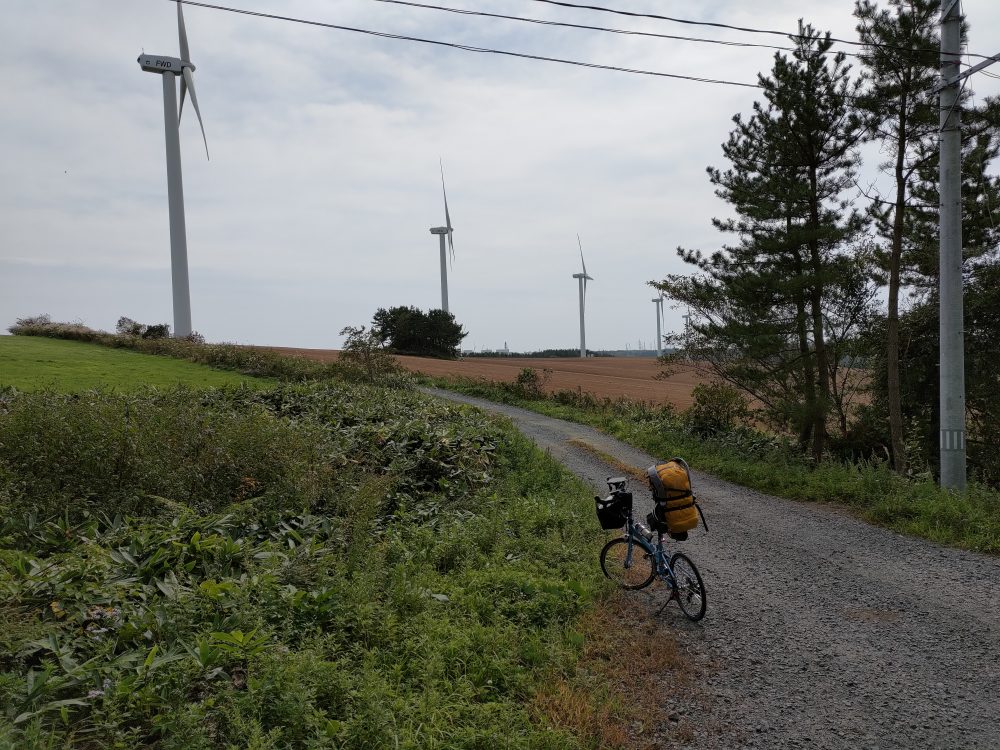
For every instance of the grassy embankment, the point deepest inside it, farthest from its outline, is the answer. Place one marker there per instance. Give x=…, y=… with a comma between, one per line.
x=915, y=506
x=314, y=565
x=29, y=363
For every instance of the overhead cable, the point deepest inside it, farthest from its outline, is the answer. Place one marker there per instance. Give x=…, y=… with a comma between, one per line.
x=465, y=47
x=563, y=24
x=746, y=29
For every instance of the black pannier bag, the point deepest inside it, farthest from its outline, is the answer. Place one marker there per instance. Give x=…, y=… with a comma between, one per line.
x=612, y=511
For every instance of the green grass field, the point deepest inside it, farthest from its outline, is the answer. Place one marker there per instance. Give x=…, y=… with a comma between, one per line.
x=31, y=363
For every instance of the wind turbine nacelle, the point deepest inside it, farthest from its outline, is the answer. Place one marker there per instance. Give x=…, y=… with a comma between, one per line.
x=161, y=64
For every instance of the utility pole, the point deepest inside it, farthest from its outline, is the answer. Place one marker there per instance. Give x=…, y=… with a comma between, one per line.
x=952, y=341
x=951, y=348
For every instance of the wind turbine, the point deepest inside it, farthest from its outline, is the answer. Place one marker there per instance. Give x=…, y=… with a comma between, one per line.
x=659, y=320
x=170, y=68
x=582, y=279
x=446, y=230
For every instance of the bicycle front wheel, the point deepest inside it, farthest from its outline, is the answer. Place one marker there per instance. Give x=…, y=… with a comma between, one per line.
x=688, y=587
x=634, y=573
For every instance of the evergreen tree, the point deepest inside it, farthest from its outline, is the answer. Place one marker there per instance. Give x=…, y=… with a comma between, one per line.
x=920, y=383
x=980, y=205
x=762, y=306
x=919, y=333
x=408, y=330
x=901, y=60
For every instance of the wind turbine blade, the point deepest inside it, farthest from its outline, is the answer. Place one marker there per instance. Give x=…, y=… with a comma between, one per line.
x=189, y=79
x=447, y=215
x=582, y=263
x=182, y=34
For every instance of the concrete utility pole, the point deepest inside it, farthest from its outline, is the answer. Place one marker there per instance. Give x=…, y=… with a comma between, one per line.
x=952, y=343
x=951, y=318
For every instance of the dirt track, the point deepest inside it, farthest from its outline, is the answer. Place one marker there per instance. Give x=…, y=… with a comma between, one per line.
x=822, y=631
x=603, y=376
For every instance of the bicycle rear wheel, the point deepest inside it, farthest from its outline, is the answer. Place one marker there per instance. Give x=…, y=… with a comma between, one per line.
x=688, y=587
x=634, y=573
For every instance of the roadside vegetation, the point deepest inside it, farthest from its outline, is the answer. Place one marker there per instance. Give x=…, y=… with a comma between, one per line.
x=717, y=435
x=307, y=565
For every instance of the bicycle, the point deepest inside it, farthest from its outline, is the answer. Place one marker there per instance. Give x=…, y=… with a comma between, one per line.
x=634, y=562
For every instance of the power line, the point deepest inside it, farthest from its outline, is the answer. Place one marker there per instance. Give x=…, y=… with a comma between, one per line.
x=655, y=35
x=746, y=29
x=672, y=19
x=465, y=47
x=563, y=24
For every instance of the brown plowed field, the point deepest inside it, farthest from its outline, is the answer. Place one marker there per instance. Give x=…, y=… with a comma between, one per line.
x=604, y=376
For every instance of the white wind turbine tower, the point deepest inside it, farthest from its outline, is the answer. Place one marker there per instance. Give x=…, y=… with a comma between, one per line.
x=582, y=279
x=446, y=230
x=659, y=320
x=170, y=68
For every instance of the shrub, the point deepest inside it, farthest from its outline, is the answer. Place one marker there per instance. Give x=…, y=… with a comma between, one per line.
x=717, y=407
x=366, y=356
x=42, y=325
x=33, y=321
x=128, y=327
x=529, y=384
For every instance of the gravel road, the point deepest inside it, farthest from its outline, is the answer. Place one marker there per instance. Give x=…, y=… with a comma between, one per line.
x=822, y=631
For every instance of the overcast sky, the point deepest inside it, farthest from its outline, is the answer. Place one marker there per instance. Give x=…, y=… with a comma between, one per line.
x=315, y=208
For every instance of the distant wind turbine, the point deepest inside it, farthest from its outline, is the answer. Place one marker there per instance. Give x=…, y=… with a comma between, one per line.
x=659, y=320
x=442, y=232
x=582, y=279
x=170, y=68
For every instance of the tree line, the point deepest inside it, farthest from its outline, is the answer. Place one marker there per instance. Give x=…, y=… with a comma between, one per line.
x=823, y=305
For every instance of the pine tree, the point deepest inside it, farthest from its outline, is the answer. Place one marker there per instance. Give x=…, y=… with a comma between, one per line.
x=762, y=305
x=980, y=205
x=900, y=58
x=919, y=336
x=408, y=330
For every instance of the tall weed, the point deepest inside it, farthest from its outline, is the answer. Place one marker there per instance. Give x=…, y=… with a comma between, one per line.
x=313, y=566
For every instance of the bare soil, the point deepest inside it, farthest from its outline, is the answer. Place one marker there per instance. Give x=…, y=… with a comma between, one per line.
x=614, y=377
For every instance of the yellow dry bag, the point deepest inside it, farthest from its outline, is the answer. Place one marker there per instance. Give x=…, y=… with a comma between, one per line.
x=676, y=511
